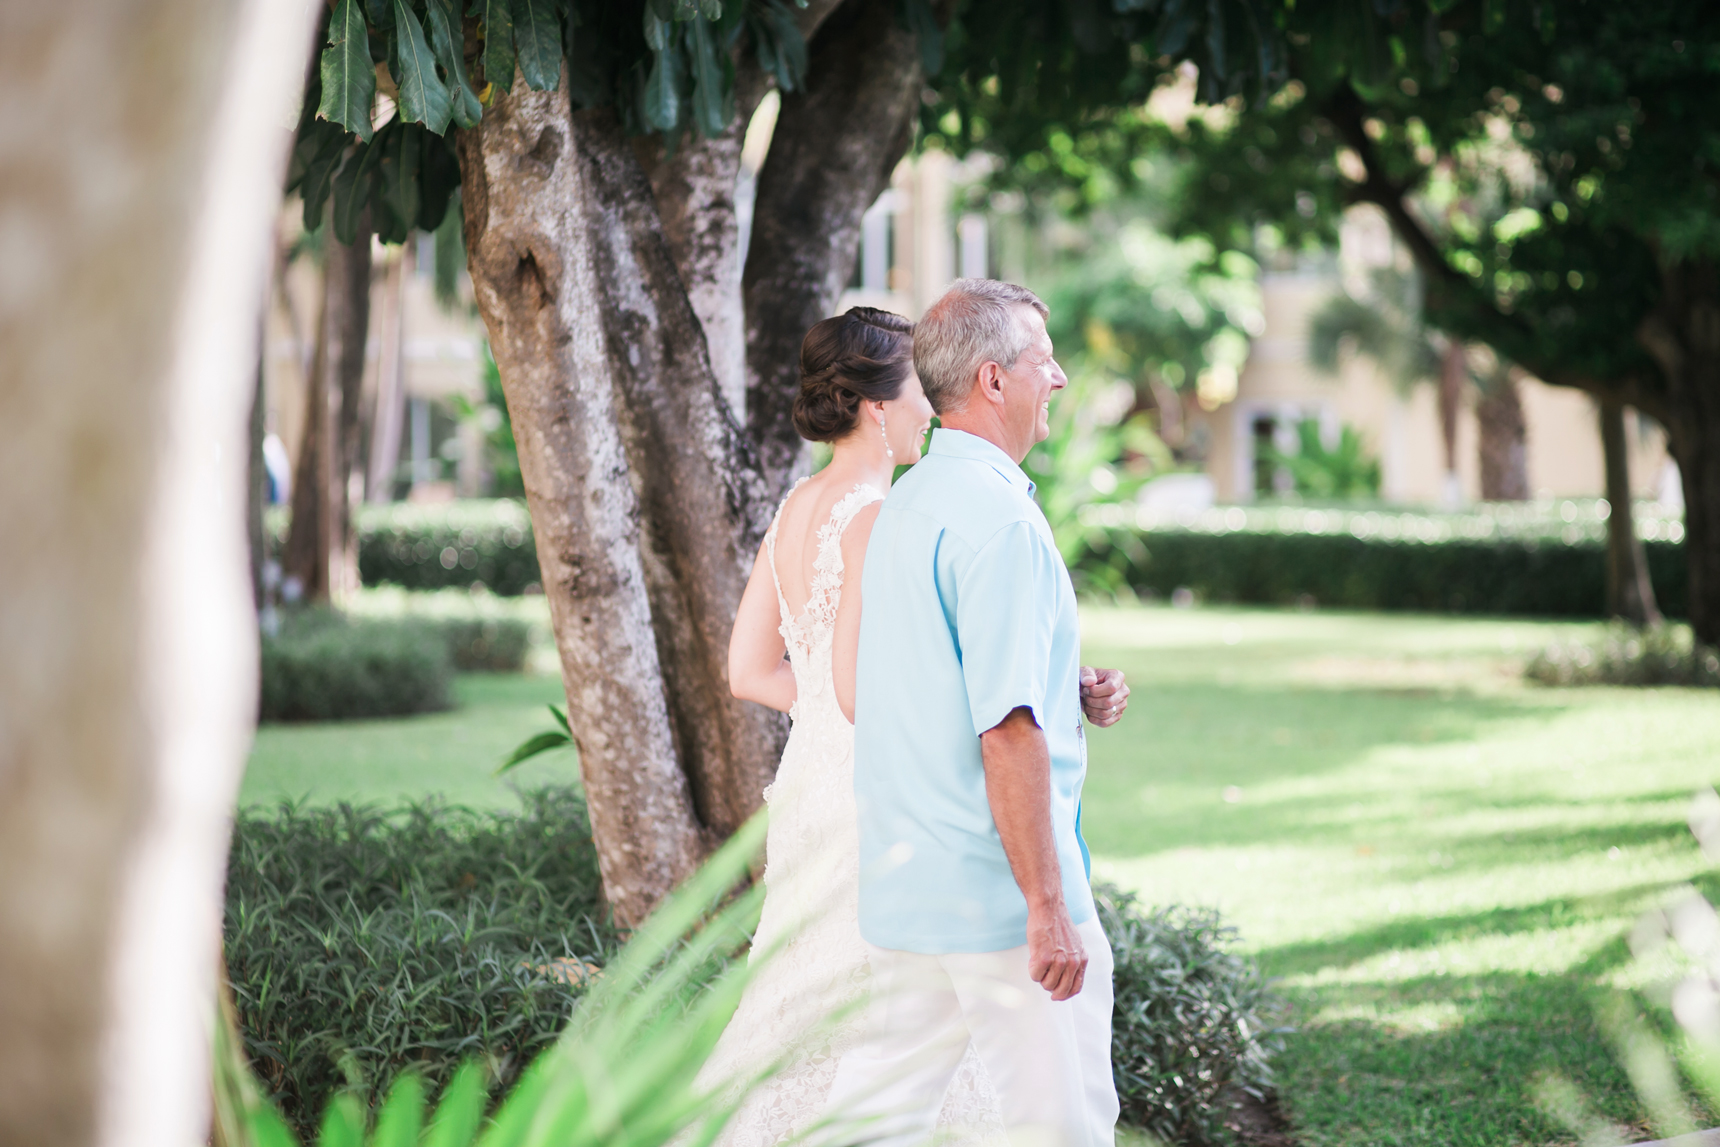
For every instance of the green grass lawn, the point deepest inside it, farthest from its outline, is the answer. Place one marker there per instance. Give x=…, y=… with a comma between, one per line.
x=1439, y=864
x=452, y=754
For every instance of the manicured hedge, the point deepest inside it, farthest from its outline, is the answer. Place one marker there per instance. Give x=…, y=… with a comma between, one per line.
x=322, y=666
x=1456, y=564
x=455, y=544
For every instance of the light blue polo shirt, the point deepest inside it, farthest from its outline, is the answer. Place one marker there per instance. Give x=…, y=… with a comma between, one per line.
x=967, y=614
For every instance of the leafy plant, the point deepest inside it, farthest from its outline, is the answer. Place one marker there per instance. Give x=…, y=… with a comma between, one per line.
x=362, y=942
x=1344, y=471
x=664, y=65
x=1658, y=655
x=544, y=742
x=323, y=666
x=501, y=454
x=1098, y=452
x=1193, y=1020
x=623, y=1070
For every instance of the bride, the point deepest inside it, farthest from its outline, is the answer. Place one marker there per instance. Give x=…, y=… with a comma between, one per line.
x=858, y=392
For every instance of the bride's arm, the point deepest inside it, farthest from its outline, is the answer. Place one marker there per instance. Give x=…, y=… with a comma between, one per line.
x=845, y=642
x=757, y=669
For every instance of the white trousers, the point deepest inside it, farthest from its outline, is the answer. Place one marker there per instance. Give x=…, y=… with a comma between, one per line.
x=1049, y=1062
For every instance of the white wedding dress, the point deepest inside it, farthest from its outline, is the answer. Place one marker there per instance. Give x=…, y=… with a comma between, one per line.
x=810, y=917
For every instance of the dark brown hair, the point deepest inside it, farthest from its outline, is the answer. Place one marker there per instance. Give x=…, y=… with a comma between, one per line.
x=862, y=356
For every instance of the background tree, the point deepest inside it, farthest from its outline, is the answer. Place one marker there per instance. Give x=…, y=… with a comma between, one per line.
x=145, y=185
x=1553, y=179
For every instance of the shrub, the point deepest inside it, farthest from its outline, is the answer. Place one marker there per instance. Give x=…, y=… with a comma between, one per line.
x=454, y=544
x=1661, y=655
x=1520, y=560
x=322, y=666
x=1193, y=1019
x=484, y=632
x=486, y=644
x=361, y=942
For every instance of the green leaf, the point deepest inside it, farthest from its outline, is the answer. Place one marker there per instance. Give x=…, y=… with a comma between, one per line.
x=352, y=190
x=348, y=74
x=461, y=1109
x=713, y=86
x=445, y=42
x=399, y=184
x=438, y=180
x=402, y=1114
x=497, y=17
x=423, y=98
x=657, y=30
x=323, y=145
x=662, y=91
x=343, y=1122
x=560, y=716
x=923, y=23
x=542, y=743
x=537, y=32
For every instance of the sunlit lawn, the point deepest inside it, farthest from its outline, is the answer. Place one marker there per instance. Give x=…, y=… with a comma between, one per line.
x=1438, y=863
x=452, y=754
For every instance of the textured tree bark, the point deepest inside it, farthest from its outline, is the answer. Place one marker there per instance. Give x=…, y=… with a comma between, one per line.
x=1630, y=593
x=643, y=497
x=127, y=326
x=1504, y=440
x=320, y=551
x=1683, y=337
x=834, y=148
x=694, y=188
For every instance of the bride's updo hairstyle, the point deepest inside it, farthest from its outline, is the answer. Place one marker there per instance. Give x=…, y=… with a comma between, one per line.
x=861, y=356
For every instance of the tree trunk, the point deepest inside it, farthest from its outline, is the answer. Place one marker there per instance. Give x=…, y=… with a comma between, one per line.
x=644, y=500
x=1682, y=334
x=257, y=481
x=388, y=415
x=320, y=555
x=694, y=188
x=142, y=179
x=835, y=146
x=1454, y=368
x=1504, y=440
x=1630, y=593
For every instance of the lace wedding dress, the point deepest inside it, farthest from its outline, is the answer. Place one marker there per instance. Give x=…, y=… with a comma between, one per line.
x=810, y=918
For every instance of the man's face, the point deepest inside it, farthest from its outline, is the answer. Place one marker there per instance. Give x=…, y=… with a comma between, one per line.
x=1029, y=384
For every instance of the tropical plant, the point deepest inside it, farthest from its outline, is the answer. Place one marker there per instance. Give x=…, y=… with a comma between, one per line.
x=623, y=1072
x=1098, y=452
x=1343, y=471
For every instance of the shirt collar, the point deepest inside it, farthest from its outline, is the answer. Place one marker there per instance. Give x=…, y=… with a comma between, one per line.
x=961, y=444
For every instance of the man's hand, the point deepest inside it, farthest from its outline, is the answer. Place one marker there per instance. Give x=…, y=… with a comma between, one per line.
x=1104, y=695
x=1055, y=957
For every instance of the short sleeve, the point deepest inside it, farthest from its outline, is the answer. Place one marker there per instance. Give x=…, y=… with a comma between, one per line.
x=1006, y=610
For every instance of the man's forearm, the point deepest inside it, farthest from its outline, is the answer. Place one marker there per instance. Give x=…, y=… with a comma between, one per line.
x=1018, y=788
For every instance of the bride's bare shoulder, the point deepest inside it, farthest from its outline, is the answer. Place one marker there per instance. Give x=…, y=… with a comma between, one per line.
x=858, y=533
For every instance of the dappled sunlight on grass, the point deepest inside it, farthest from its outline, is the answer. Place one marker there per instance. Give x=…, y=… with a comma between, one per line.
x=1439, y=862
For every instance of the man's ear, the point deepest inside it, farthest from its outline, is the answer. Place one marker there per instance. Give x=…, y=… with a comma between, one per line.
x=991, y=381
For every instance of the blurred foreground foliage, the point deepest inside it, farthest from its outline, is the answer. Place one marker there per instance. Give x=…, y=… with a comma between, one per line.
x=367, y=944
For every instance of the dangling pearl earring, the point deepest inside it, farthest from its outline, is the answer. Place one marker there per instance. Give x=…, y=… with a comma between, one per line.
x=888, y=453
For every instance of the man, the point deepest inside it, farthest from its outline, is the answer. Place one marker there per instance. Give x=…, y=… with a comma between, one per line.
x=969, y=758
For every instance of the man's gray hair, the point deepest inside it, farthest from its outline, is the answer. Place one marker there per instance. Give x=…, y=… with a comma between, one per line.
x=975, y=322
